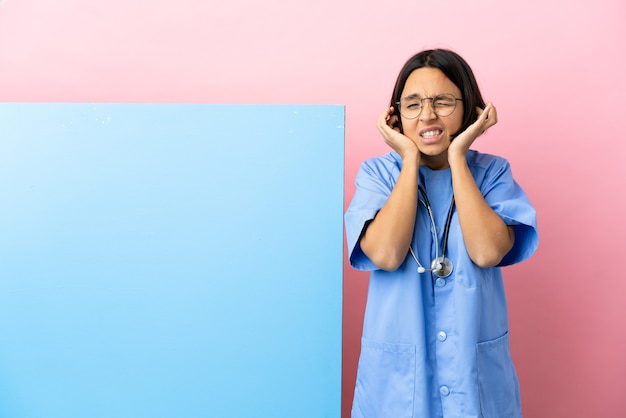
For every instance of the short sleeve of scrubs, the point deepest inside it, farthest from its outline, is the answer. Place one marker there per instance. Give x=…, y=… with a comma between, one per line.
x=495, y=180
x=374, y=182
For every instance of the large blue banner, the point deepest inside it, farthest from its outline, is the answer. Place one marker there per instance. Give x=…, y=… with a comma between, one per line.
x=170, y=260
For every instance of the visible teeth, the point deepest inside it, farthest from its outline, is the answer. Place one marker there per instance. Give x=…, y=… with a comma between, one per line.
x=430, y=134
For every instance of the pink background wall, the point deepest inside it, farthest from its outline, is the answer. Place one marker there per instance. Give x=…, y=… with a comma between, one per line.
x=555, y=70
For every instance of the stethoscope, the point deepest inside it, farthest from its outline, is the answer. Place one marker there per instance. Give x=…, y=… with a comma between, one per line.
x=441, y=266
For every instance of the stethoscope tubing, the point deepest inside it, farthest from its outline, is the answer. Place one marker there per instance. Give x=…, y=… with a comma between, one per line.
x=443, y=260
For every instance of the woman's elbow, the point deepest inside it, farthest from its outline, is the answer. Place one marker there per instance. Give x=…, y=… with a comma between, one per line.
x=387, y=261
x=485, y=260
x=492, y=255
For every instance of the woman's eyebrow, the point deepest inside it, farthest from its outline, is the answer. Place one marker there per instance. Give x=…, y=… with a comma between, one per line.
x=411, y=96
x=418, y=96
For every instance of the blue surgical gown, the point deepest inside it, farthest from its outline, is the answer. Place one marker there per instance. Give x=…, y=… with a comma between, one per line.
x=434, y=347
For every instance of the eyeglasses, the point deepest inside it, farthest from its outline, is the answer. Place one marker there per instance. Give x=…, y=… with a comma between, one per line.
x=442, y=104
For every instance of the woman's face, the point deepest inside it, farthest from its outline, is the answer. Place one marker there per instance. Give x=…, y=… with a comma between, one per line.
x=431, y=133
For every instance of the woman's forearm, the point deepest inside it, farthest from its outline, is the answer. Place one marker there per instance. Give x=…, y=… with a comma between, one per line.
x=487, y=238
x=388, y=236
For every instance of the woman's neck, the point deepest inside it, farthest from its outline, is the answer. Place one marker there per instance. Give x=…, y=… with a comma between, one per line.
x=435, y=162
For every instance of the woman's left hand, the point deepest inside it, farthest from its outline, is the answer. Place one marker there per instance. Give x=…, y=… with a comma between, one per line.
x=486, y=119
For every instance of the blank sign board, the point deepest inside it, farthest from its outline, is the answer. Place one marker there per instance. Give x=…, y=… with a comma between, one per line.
x=170, y=260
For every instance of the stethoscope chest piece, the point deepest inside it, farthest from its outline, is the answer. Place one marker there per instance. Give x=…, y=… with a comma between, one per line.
x=441, y=267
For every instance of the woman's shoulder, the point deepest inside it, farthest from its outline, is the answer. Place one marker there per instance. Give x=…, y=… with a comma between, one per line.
x=390, y=162
x=486, y=161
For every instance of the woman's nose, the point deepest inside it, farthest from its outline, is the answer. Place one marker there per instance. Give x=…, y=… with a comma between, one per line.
x=428, y=111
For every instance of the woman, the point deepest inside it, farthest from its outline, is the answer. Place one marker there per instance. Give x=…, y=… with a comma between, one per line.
x=434, y=221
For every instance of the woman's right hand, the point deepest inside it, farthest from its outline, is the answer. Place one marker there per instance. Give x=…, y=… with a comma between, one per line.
x=399, y=142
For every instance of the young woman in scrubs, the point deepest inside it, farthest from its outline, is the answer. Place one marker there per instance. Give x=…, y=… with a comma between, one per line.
x=433, y=221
